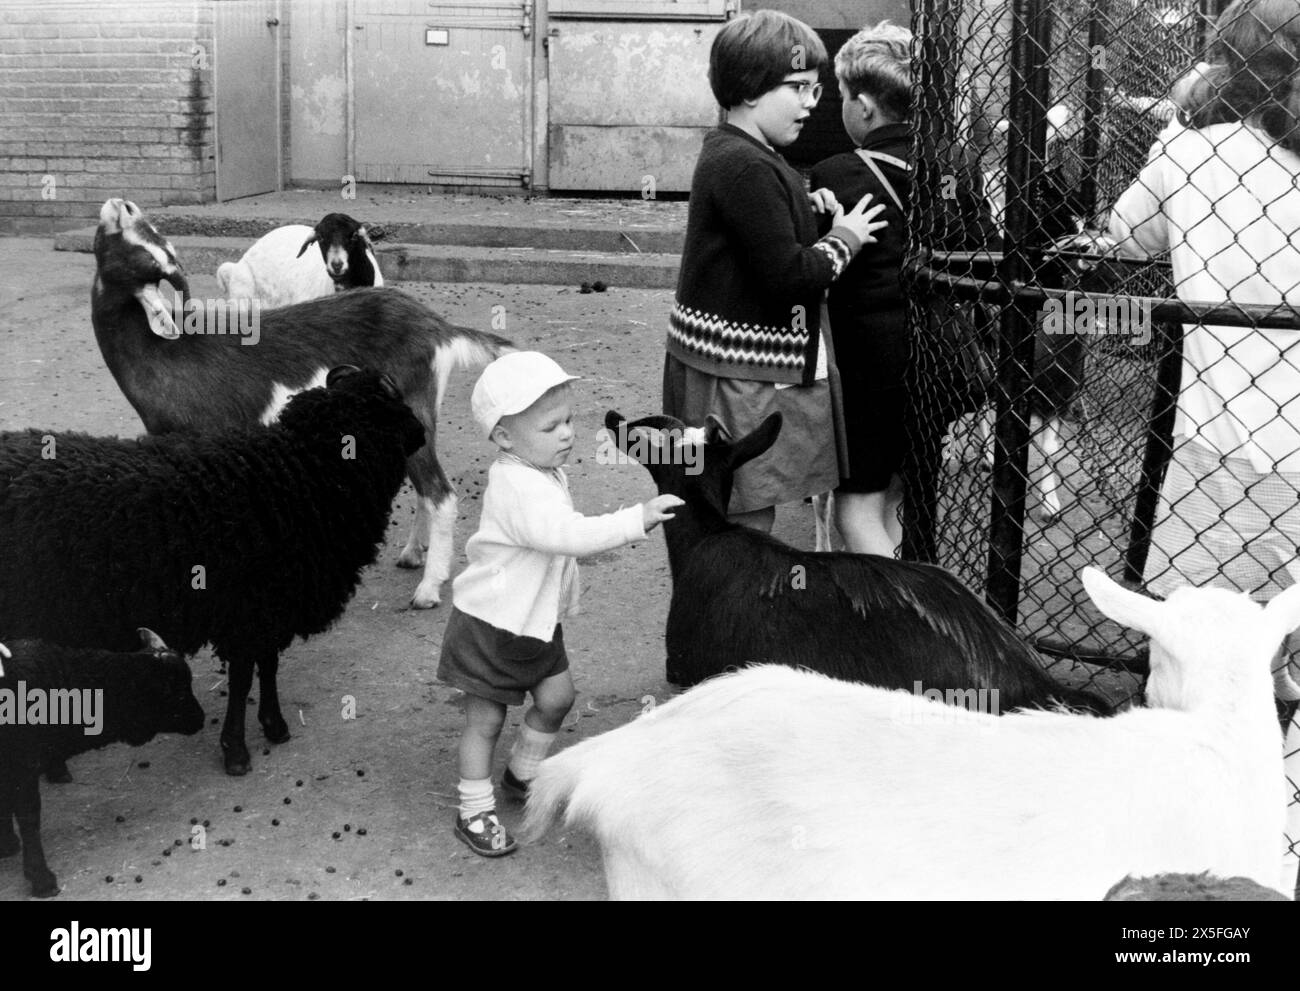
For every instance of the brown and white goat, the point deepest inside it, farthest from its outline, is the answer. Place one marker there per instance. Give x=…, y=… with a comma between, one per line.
x=203, y=381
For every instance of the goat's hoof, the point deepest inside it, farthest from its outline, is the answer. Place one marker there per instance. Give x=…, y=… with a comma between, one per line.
x=58, y=774
x=238, y=763
x=44, y=884
x=276, y=730
x=9, y=845
x=425, y=600
x=411, y=558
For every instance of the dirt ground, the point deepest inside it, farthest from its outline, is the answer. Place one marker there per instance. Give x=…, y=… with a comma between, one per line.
x=292, y=829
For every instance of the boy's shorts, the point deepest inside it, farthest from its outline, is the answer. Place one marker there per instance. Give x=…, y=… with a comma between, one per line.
x=495, y=664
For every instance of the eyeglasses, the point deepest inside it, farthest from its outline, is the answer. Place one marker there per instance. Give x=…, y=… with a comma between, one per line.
x=804, y=89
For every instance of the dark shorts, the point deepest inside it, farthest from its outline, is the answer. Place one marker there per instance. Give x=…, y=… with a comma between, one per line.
x=872, y=372
x=480, y=659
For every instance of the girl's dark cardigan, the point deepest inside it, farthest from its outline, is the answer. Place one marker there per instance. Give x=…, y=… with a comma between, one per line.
x=753, y=270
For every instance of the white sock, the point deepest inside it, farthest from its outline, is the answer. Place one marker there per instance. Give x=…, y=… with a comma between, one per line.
x=476, y=796
x=529, y=750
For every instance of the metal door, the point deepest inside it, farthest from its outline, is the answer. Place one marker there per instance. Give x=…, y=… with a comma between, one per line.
x=443, y=92
x=246, y=76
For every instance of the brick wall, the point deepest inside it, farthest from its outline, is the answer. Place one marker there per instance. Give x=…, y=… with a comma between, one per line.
x=103, y=99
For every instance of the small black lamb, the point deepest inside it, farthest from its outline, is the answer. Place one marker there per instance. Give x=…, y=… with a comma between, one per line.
x=57, y=702
x=244, y=539
x=743, y=597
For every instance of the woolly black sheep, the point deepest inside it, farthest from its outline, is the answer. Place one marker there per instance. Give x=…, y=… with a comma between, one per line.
x=185, y=380
x=244, y=540
x=133, y=696
x=743, y=597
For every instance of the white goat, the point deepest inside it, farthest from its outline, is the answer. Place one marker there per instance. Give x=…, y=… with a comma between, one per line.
x=780, y=784
x=278, y=270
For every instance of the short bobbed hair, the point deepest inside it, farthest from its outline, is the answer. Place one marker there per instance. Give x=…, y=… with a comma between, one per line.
x=754, y=52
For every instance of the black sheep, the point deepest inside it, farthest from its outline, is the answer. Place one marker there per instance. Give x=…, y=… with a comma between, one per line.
x=133, y=696
x=244, y=539
x=743, y=597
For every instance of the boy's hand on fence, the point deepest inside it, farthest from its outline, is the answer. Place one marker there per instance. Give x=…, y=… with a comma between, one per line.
x=860, y=220
x=655, y=511
x=823, y=201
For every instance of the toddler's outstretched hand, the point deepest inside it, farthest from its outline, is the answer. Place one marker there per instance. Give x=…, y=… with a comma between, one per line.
x=654, y=511
x=860, y=220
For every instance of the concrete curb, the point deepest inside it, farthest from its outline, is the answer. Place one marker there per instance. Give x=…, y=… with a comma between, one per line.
x=617, y=239
x=447, y=263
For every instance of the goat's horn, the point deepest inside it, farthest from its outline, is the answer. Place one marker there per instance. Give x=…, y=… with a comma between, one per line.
x=659, y=421
x=150, y=640
x=307, y=244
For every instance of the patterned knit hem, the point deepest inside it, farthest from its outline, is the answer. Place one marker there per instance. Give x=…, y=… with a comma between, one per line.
x=779, y=350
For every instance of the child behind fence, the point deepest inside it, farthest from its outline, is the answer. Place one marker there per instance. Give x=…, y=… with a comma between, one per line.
x=1221, y=193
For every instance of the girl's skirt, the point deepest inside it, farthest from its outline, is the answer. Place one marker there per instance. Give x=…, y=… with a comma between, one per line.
x=806, y=458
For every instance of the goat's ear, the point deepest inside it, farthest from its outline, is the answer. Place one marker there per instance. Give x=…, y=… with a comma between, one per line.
x=613, y=420
x=1126, y=607
x=306, y=244
x=150, y=640
x=338, y=373
x=715, y=431
x=757, y=441
x=363, y=236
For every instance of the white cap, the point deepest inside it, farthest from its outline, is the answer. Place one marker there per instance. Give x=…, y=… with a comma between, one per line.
x=511, y=384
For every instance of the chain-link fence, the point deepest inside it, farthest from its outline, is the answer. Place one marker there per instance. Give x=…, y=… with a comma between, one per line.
x=1076, y=402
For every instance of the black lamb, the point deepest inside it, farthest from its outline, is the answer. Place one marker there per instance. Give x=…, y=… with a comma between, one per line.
x=132, y=697
x=244, y=539
x=743, y=597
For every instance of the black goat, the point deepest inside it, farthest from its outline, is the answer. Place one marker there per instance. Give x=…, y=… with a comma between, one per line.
x=244, y=540
x=87, y=699
x=743, y=597
x=210, y=381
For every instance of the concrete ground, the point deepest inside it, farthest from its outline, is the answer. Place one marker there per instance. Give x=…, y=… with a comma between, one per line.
x=391, y=770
